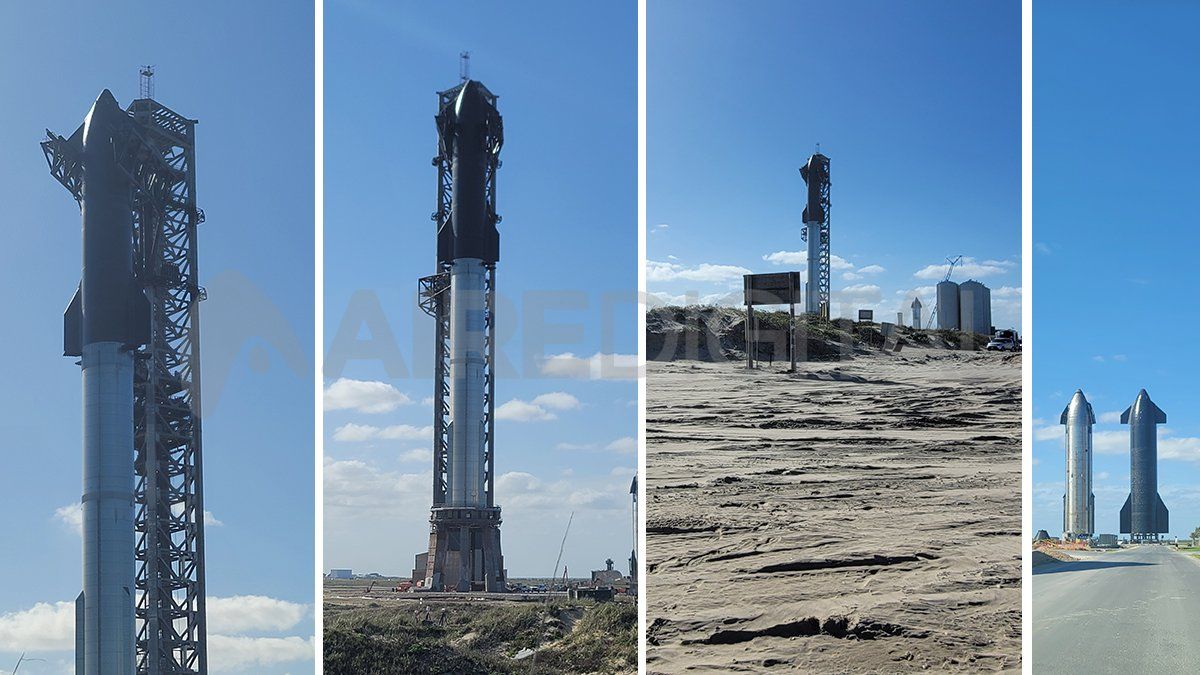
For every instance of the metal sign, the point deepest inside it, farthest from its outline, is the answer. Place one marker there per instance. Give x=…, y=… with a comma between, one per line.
x=779, y=288
x=866, y=315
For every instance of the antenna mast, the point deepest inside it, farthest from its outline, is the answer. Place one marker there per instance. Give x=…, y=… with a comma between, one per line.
x=146, y=82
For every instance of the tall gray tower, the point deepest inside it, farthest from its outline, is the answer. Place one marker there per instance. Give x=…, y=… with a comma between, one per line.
x=464, y=536
x=816, y=233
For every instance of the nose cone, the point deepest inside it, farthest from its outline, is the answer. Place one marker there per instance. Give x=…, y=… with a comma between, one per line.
x=916, y=303
x=471, y=104
x=1142, y=403
x=1144, y=410
x=104, y=116
x=1078, y=410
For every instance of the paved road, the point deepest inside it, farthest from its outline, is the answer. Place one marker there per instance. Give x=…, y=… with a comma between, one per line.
x=1129, y=611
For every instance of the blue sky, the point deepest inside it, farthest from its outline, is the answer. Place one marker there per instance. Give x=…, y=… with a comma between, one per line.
x=566, y=75
x=245, y=71
x=1114, y=237
x=916, y=104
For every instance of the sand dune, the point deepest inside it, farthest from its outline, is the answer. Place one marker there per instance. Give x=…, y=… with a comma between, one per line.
x=863, y=516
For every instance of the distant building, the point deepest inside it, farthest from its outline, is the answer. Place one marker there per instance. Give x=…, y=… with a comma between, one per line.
x=947, y=305
x=608, y=576
x=341, y=574
x=975, y=308
x=966, y=307
x=420, y=567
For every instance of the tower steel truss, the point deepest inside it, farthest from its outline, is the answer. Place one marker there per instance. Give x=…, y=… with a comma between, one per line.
x=822, y=179
x=434, y=300
x=158, y=157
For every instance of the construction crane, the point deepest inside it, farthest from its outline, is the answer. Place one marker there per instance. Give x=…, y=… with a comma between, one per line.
x=949, y=271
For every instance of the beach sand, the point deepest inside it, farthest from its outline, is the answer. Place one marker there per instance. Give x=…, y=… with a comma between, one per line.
x=860, y=516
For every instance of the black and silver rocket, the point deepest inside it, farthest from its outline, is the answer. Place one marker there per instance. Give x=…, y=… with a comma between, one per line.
x=816, y=231
x=106, y=320
x=1144, y=516
x=464, y=540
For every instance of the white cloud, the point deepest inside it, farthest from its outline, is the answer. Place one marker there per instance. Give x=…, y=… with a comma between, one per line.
x=787, y=258
x=521, y=491
x=1042, y=247
x=728, y=299
x=967, y=268
x=357, y=433
x=1113, y=417
x=1110, y=442
x=210, y=520
x=417, y=455
x=364, y=396
x=355, y=488
x=660, y=227
x=872, y=269
x=45, y=627
x=623, y=445
x=537, y=410
x=1186, y=448
x=238, y=653
x=241, y=614
x=837, y=262
x=71, y=515
x=557, y=400
x=1047, y=433
x=517, y=410
x=50, y=627
x=858, y=294
x=851, y=276
x=575, y=446
x=669, y=271
x=623, y=472
x=598, y=366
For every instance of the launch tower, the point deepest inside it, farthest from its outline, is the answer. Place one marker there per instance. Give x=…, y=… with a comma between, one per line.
x=464, y=534
x=816, y=233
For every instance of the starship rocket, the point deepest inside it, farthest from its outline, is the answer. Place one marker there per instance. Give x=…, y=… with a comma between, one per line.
x=1079, y=504
x=815, y=174
x=1144, y=516
x=464, y=548
x=468, y=244
x=107, y=319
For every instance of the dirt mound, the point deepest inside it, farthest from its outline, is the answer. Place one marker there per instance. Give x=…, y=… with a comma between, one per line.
x=1050, y=556
x=712, y=333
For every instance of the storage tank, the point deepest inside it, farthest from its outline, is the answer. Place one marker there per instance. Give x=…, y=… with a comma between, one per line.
x=947, y=306
x=975, y=308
